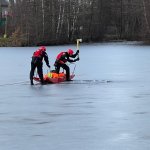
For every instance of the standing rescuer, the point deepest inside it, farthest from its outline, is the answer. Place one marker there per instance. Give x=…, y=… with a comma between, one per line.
x=36, y=62
x=61, y=60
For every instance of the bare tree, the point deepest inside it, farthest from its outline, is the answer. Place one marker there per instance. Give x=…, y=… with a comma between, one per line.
x=62, y=21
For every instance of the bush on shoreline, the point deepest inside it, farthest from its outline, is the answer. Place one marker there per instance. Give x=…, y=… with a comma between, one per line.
x=15, y=40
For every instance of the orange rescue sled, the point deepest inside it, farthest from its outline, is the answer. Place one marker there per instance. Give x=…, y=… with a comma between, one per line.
x=53, y=77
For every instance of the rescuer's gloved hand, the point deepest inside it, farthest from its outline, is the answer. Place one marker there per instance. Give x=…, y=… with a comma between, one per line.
x=77, y=59
x=77, y=52
x=48, y=66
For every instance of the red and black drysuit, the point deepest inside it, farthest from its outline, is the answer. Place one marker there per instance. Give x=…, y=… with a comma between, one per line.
x=37, y=62
x=61, y=60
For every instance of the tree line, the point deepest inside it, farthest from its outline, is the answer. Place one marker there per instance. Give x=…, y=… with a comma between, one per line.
x=48, y=22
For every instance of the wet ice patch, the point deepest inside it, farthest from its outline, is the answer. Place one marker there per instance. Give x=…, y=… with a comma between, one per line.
x=124, y=136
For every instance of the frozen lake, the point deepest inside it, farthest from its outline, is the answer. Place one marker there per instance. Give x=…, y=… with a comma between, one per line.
x=106, y=107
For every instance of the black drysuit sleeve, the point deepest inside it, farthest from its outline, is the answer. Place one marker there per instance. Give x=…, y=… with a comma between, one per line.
x=72, y=56
x=46, y=58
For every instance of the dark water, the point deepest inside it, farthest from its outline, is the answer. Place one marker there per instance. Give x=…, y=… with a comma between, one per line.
x=106, y=107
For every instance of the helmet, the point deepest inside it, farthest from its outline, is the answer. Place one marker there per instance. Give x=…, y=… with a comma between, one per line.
x=70, y=52
x=42, y=48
